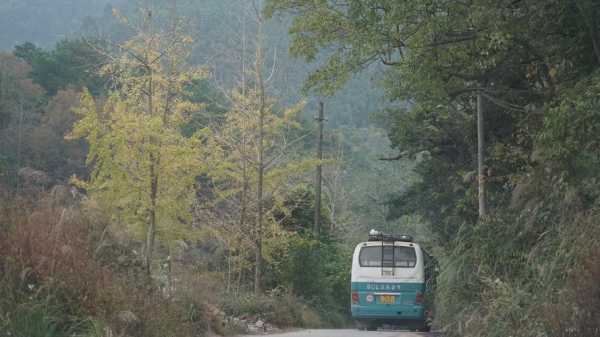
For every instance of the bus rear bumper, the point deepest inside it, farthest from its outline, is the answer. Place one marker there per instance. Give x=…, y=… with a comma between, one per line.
x=388, y=312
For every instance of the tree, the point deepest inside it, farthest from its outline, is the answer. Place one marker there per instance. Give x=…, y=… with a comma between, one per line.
x=535, y=66
x=20, y=106
x=72, y=63
x=143, y=169
x=437, y=56
x=234, y=163
x=60, y=158
x=260, y=85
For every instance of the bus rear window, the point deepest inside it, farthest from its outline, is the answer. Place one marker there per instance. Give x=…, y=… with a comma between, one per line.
x=385, y=256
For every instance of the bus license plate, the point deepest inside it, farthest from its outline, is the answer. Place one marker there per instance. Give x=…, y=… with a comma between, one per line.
x=387, y=299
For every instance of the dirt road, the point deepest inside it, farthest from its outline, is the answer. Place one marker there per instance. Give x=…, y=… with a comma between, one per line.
x=351, y=333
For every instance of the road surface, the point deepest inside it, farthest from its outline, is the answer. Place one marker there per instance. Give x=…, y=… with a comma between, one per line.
x=350, y=333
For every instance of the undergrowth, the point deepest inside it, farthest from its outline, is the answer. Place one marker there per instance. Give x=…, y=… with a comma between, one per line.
x=278, y=307
x=535, y=272
x=55, y=282
x=65, y=272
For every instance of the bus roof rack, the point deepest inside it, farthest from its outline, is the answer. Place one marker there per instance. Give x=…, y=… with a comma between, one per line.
x=380, y=236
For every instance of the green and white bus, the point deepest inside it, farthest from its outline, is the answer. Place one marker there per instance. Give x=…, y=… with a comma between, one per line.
x=389, y=283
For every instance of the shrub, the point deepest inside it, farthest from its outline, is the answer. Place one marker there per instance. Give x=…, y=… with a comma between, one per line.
x=576, y=309
x=533, y=273
x=279, y=307
x=326, y=289
x=53, y=284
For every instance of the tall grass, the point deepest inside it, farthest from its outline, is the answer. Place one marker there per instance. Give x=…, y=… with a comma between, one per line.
x=55, y=282
x=523, y=277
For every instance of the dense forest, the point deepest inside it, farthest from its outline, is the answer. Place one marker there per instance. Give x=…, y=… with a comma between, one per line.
x=157, y=162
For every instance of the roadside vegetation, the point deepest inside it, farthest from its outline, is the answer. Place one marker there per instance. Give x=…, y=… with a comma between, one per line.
x=130, y=179
x=525, y=265
x=157, y=166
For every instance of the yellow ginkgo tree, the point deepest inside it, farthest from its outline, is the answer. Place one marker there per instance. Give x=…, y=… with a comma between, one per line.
x=143, y=169
x=237, y=152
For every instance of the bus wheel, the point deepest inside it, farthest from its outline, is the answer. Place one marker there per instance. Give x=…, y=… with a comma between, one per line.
x=360, y=325
x=372, y=326
x=424, y=327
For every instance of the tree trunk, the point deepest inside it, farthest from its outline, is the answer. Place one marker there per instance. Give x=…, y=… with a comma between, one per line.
x=228, y=289
x=480, y=157
x=319, y=177
x=261, y=164
x=245, y=186
x=589, y=16
x=151, y=232
x=594, y=33
x=19, y=141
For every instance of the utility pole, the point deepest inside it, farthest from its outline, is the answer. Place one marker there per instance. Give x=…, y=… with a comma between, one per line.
x=480, y=156
x=319, y=177
x=261, y=159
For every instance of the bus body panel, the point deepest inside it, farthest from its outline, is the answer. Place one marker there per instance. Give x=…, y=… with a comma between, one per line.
x=404, y=306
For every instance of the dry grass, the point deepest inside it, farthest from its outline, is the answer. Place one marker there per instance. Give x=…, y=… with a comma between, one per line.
x=576, y=312
x=50, y=253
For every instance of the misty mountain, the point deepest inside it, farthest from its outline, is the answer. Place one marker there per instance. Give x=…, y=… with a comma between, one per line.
x=221, y=29
x=43, y=22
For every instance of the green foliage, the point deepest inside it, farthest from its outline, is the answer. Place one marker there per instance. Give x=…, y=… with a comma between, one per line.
x=326, y=286
x=72, y=63
x=34, y=321
x=518, y=279
x=215, y=106
x=44, y=317
x=297, y=212
x=443, y=198
x=126, y=136
x=121, y=183
x=535, y=64
x=143, y=168
x=233, y=147
x=154, y=153
x=570, y=133
x=34, y=307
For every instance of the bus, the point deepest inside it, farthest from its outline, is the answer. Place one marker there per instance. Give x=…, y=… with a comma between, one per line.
x=389, y=283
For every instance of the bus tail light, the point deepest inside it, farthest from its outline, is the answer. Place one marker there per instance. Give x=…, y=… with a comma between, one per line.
x=354, y=298
x=419, y=299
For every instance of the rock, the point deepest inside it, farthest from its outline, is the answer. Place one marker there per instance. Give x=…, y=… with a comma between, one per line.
x=252, y=329
x=127, y=324
x=32, y=177
x=64, y=196
x=269, y=327
x=215, y=311
x=259, y=327
x=66, y=250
